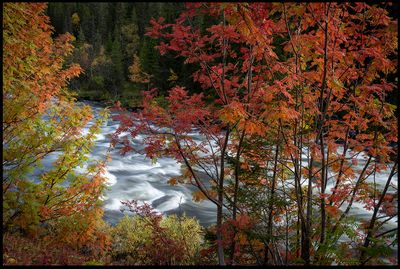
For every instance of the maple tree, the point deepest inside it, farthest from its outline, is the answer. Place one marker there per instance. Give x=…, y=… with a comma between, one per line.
x=321, y=99
x=343, y=85
x=169, y=129
x=42, y=119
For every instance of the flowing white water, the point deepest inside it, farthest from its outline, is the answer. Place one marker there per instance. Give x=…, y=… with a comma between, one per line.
x=133, y=176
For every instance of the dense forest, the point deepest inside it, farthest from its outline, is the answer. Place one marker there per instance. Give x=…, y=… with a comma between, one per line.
x=118, y=57
x=112, y=47
x=282, y=116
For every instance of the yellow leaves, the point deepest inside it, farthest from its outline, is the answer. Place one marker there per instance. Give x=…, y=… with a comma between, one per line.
x=257, y=245
x=241, y=239
x=85, y=228
x=138, y=237
x=173, y=77
x=303, y=66
x=75, y=19
x=136, y=73
x=44, y=117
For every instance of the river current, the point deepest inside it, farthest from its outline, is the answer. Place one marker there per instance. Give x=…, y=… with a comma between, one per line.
x=133, y=176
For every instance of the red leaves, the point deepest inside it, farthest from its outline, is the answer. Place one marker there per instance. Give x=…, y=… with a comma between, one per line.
x=310, y=93
x=388, y=205
x=144, y=210
x=156, y=26
x=218, y=31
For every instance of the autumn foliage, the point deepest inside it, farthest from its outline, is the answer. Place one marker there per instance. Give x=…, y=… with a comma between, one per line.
x=297, y=135
x=149, y=238
x=292, y=94
x=42, y=119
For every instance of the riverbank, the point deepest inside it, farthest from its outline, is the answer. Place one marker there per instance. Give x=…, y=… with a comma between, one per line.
x=128, y=100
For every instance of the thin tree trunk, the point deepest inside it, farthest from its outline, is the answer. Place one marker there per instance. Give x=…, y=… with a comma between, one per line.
x=237, y=165
x=271, y=199
x=371, y=225
x=235, y=194
x=320, y=130
x=221, y=255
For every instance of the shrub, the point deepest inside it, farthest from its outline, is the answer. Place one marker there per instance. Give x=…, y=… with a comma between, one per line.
x=150, y=238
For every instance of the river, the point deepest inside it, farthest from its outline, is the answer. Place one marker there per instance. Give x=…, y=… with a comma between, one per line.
x=133, y=176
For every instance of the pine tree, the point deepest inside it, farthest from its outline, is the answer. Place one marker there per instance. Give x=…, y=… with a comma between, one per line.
x=118, y=67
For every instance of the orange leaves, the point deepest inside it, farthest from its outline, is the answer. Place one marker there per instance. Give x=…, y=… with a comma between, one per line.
x=233, y=112
x=241, y=18
x=198, y=196
x=302, y=104
x=332, y=210
x=45, y=212
x=254, y=128
x=30, y=50
x=73, y=71
x=243, y=221
x=244, y=165
x=288, y=113
x=172, y=181
x=241, y=239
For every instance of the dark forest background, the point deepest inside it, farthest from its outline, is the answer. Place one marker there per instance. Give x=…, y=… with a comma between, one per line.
x=110, y=34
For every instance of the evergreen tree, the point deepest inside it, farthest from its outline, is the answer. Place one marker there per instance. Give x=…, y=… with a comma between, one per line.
x=118, y=67
x=149, y=59
x=120, y=29
x=81, y=37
